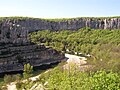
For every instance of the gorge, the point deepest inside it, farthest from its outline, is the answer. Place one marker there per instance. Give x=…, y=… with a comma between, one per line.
x=16, y=49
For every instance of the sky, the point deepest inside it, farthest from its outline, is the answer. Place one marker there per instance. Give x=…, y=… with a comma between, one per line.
x=59, y=8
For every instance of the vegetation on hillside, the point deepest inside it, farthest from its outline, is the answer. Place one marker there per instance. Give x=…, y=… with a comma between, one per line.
x=54, y=19
x=58, y=79
x=103, y=45
x=28, y=72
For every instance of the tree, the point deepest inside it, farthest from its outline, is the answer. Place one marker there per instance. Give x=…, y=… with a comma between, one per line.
x=28, y=69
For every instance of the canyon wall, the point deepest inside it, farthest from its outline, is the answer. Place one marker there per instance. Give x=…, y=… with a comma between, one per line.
x=16, y=48
x=15, y=30
x=13, y=57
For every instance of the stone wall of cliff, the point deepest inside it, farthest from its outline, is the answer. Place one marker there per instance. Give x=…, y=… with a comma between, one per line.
x=13, y=57
x=15, y=30
x=16, y=48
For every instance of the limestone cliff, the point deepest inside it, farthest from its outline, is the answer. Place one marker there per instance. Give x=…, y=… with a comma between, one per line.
x=17, y=50
x=16, y=29
x=13, y=57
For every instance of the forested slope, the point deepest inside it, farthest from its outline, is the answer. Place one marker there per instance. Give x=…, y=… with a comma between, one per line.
x=103, y=45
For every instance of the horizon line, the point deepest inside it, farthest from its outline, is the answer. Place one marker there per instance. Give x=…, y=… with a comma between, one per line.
x=60, y=17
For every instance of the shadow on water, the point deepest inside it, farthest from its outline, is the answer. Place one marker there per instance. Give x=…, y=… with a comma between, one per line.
x=36, y=69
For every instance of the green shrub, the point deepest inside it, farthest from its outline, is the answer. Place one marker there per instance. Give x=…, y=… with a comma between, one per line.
x=8, y=78
x=16, y=77
x=59, y=79
x=18, y=85
x=28, y=69
x=102, y=80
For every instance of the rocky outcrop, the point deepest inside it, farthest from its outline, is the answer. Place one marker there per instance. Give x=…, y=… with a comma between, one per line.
x=17, y=50
x=13, y=58
x=15, y=30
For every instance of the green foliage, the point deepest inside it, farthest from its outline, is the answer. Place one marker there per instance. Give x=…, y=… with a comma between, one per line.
x=19, y=85
x=103, y=80
x=76, y=39
x=26, y=85
x=28, y=69
x=59, y=79
x=103, y=45
x=7, y=78
x=12, y=78
x=54, y=19
x=82, y=81
x=17, y=77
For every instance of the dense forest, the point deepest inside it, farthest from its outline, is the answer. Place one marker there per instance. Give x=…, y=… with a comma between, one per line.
x=102, y=45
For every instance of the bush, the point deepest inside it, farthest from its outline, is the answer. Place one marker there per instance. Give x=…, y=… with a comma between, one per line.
x=12, y=78
x=59, y=79
x=102, y=80
x=16, y=77
x=19, y=85
x=8, y=78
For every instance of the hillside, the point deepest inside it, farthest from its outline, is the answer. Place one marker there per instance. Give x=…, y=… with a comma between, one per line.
x=102, y=45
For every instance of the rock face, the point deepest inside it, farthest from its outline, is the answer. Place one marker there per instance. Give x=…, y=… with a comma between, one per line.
x=13, y=57
x=16, y=48
x=15, y=30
